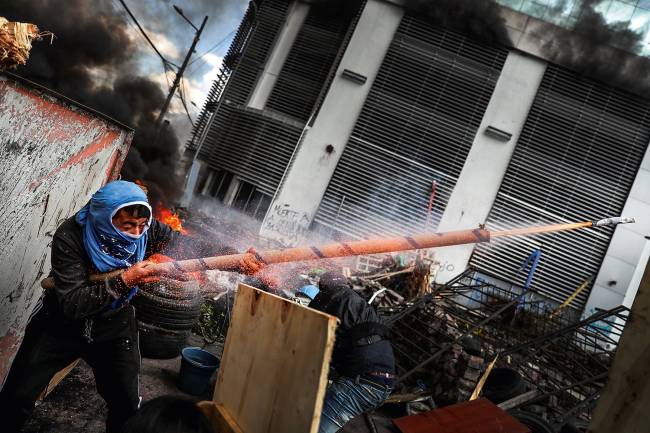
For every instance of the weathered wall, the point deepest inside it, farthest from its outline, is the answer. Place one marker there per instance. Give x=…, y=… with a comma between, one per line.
x=54, y=155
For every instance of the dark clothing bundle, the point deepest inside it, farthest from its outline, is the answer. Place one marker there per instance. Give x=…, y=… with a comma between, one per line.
x=362, y=344
x=77, y=321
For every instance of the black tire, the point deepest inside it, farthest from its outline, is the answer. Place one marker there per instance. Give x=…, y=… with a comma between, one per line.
x=159, y=343
x=167, y=312
x=535, y=423
x=503, y=384
x=173, y=289
x=163, y=317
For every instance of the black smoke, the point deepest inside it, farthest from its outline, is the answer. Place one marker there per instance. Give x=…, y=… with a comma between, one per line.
x=601, y=50
x=479, y=19
x=93, y=61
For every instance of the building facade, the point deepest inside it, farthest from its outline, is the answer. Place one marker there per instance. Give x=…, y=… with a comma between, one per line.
x=370, y=120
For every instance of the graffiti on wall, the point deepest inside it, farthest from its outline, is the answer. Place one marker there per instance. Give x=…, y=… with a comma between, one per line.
x=286, y=225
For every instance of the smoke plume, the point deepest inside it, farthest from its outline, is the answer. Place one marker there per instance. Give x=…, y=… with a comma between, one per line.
x=478, y=19
x=601, y=50
x=93, y=60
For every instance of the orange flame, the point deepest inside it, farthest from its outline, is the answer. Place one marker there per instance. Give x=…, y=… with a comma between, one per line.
x=170, y=218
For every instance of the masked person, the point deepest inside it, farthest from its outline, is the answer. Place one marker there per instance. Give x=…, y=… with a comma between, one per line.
x=94, y=320
x=362, y=360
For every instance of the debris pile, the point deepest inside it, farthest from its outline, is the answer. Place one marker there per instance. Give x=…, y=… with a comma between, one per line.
x=16, y=42
x=445, y=340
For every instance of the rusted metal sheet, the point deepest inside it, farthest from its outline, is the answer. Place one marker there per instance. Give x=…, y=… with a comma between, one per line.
x=478, y=416
x=54, y=155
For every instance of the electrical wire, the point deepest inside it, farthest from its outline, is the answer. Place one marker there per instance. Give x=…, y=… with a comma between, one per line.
x=128, y=11
x=214, y=47
x=181, y=93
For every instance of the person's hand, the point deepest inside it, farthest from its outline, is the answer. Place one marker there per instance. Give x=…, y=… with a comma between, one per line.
x=250, y=264
x=140, y=273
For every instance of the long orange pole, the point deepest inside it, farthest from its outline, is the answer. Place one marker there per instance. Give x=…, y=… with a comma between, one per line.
x=355, y=248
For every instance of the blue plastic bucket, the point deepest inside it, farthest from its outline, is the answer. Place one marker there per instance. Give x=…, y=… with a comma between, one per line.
x=197, y=366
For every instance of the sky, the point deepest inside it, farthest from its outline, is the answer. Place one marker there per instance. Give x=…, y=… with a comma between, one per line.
x=173, y=36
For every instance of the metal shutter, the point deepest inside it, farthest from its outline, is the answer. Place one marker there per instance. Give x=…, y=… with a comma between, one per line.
x=255, y=146
x=417, y=125
x=576, y=159
x=309, y=62
x=218, y=87
x=246, y=56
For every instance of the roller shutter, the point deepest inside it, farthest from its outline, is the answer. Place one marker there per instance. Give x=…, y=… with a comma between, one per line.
x=417, y=126
x=310, y=60
x=575, y=160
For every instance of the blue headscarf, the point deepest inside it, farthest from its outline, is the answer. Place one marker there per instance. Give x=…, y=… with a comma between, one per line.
x=108, y=247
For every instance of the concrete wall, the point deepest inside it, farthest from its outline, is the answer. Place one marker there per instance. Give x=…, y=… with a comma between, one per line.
x=488, y=159
x=279, y=54
x=54, y=156
x=622, y=258
x=304, y=185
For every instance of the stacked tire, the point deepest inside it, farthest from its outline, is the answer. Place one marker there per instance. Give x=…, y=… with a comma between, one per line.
x=166, y=312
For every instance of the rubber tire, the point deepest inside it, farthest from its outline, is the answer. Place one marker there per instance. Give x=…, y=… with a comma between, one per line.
x=159, y=343
x=173, y=289
x=169, y=311
x=169, y=318
x=503, y=384
x=535, y=423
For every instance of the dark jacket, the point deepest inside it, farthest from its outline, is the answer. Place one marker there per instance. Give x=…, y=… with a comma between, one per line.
x=352, y=354
x=75, y=299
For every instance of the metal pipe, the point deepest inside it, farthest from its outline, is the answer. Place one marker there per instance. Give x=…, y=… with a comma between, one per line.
x=354, y=248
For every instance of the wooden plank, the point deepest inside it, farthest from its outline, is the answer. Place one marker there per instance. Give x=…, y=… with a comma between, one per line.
x=58, y=377
x=518, y=400
x=219, y=417
x=274, y=367
x=623, y=404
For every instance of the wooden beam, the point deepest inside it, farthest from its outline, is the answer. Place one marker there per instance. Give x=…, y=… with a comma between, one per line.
x=58, y=377
x=624, y=402
x=219, y=417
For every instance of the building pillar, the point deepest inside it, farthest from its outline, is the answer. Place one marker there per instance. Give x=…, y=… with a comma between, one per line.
x=266, y=82
x=488, y=159
x=304, y=184
x=614, y=283
x=190, y=186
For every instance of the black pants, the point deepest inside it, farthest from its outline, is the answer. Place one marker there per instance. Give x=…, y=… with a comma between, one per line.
x=50, y=344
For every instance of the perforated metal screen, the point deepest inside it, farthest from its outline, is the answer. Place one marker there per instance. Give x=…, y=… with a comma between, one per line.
x=575, y=160
x=416, y=127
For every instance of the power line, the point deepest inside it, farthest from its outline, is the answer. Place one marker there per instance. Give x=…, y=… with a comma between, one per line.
x=126, y=8
x=217, y=45
x=182, y=92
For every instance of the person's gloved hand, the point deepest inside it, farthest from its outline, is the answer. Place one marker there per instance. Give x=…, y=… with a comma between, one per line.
x=250, y=264
x=140, y=273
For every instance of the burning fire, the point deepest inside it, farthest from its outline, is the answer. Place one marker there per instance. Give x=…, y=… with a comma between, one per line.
x=170, y=218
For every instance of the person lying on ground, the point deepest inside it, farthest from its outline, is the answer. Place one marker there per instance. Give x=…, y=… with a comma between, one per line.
x=362, y=360
x=94, y=320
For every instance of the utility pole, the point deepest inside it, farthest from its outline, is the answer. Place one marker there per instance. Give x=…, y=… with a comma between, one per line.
x=180, y=72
